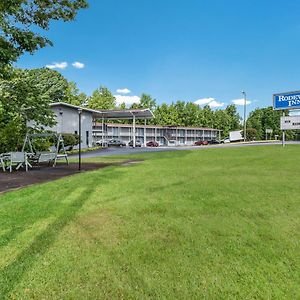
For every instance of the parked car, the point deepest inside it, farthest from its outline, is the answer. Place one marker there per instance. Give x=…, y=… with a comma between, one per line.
x=214, y=142
x=137, y=143
x=101, y=143
x=116, y=143
x=225, y=141
x=152, y=144
x=200, y=143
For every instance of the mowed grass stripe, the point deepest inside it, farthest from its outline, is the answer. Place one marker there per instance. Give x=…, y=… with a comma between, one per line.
x=219, y=223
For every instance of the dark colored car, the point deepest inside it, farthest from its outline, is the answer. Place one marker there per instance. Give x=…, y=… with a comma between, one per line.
x=152, y=144
x=200, y=143
x=214, y=142
x=116, y=143
x=137, y=143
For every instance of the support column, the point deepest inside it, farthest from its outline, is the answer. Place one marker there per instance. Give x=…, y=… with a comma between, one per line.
x=145, y=132
x=102, y=142
x=283, y=138
x=133, y=131
x=283, y=133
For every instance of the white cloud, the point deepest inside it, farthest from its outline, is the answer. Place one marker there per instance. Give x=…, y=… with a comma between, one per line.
x=214, y=104
x=241, y=102
x=56, y=65
x=123, y=91
x=128, y=100
x=78, y=65
x=209, y=101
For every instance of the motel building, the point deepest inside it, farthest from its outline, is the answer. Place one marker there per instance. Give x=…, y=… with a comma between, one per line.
x=100, y=125
x=163, y=135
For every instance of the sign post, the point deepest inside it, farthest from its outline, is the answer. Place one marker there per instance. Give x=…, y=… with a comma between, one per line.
x=270, y=131
x=287, y=101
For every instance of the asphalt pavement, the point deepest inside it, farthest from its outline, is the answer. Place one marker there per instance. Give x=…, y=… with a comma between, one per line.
x=128, y=150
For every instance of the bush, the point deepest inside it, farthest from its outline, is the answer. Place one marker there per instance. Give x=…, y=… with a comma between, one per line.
x=251, y=134
x=70, y=139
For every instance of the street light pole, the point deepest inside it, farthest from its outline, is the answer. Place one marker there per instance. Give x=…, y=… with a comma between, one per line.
x=79, y=131
x=245, y=103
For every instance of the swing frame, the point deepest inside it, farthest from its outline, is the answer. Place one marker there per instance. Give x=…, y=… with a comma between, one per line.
x=60, y=142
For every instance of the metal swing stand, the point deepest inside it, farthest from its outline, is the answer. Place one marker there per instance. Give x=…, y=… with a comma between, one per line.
x=60, y=142
x=45, y=156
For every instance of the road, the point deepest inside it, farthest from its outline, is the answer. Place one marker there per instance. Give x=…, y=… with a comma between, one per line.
x=127, y=150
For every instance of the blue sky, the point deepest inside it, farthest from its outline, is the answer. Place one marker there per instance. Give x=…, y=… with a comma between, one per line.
x=180, y=50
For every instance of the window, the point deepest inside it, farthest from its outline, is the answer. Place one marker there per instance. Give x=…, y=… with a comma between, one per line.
x=87, y=138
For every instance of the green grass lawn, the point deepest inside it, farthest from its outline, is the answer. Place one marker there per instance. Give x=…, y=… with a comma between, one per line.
x=214, y=224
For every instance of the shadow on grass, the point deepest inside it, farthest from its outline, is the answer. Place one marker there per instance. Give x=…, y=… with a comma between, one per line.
x=9, y=236
x=12, y=274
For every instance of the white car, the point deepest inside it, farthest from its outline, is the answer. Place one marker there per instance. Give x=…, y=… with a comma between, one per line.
x=226, y=141
x=102, y=143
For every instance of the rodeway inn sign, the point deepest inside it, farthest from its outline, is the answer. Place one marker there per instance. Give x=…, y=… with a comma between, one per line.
x=290, y=100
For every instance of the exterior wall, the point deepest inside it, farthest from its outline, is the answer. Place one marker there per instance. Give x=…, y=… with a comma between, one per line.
x=68, y=122
x=163, y=135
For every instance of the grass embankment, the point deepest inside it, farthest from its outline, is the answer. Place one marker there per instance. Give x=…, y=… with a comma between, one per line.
x=220, y=223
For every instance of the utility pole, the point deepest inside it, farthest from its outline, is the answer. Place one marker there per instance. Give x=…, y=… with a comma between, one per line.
x=245, y=103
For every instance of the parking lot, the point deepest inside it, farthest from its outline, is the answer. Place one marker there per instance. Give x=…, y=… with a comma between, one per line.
x=128, y=150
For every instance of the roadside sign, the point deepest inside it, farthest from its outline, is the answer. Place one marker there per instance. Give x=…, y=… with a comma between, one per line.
x=269, y=130
x=289, y=100
x=290, y=122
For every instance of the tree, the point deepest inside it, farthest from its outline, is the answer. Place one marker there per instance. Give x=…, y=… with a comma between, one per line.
x=50, y=83
x=21, y=20
x=266, y=118
x=102, y=98
x=191, y=115
x=147, y=102
x=226, y=119
x=207, y=116
x=24, y=98
x=166, y=115
x=251, y=134
x=234, y=117
x=74, y=96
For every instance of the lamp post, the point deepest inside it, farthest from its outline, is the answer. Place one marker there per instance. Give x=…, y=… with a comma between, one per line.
x=245, y=103
x=79, y=131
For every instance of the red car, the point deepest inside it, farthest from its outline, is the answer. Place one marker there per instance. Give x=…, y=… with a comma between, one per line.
x=200, y=143
x=152, y=144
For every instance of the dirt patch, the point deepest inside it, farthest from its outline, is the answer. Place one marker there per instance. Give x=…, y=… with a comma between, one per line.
x=19, y=179
x=131, y=162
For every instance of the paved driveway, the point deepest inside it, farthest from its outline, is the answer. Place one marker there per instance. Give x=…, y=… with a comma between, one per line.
x=127, y=150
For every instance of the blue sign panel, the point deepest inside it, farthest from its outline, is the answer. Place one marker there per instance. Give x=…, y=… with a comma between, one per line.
x=290, y=100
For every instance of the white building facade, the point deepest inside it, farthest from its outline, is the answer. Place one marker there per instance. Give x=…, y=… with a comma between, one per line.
x=67, y=121
x=164, y=135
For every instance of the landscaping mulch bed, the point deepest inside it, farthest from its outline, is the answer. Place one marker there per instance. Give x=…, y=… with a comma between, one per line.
x=19, y=179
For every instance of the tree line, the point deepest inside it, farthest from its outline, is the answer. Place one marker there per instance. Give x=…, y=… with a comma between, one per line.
x=26, y=94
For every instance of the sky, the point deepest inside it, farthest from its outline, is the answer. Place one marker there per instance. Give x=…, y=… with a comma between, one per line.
x=206, y=52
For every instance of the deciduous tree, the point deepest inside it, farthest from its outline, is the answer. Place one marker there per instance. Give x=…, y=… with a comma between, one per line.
x=102, y=98
x=22, y=21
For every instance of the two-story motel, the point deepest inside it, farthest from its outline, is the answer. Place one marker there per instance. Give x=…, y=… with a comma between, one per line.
x=97, y=125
